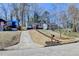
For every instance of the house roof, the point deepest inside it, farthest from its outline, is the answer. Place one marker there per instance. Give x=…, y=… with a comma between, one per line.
x=1, y=20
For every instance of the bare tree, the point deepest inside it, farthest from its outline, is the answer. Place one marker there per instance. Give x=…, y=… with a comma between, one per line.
x=20, y=12
x=5, y=10
x=15, y=11
x=24, y=12
x=73, y=12
x=36, y=10
x=64, y=18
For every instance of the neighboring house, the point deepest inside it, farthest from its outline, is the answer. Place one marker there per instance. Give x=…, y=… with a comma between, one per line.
x=9, y=25
x=45, y=26
x=41, y=25
x=2, y=24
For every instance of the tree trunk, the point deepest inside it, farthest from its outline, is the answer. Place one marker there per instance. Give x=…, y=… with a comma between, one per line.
x=74, y=26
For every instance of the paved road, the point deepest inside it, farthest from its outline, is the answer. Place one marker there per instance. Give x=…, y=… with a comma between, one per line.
x=62, y=50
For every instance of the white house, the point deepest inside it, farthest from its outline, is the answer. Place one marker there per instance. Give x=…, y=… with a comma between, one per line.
x=45, y=26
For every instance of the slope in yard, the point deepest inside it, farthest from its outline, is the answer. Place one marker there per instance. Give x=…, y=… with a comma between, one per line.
x=38, y=37
x=43, y=36
x=9, y=38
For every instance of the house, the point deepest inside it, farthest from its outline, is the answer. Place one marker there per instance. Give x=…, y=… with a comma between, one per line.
x=2, y=24
x=9, y=25
x=45, y=26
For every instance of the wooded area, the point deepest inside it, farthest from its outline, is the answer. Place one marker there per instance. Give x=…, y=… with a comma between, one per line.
x=32, y=13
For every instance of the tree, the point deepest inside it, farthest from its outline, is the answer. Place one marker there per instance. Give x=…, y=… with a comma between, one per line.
x=28, y=12
x=36, y=12
x=5, y=11
x=36, y=17
x=20, y=12
x=15, y=12
x=73, y=12
x=63, y=16
x=24, y=12
x=46, y=16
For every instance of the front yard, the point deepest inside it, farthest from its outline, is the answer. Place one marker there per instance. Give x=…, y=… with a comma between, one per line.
x=43, y=36
x=9, y=38
x=69, y=33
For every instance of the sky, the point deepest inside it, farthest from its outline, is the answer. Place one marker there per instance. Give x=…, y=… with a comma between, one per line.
x=56, y=7
x=52, y=6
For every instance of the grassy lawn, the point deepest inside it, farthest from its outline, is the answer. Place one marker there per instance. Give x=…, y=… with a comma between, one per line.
x=9, y=38
x=70, y=34
x=49, y=32
x=42, y=36
x=38, y=37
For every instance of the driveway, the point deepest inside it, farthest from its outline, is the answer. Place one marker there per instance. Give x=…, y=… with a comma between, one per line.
x=25, y=42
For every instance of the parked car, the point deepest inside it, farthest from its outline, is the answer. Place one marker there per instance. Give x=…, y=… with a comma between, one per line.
x=39, y=26
x=29, y=26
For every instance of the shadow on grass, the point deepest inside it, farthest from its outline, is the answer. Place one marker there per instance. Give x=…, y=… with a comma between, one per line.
x=50, y=43
x=3, y=49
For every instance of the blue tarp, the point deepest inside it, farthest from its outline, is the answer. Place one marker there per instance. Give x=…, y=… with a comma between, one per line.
x=13, y=22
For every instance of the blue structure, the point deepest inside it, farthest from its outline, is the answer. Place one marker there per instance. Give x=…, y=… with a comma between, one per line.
x=13, y=24
x=2, y=24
